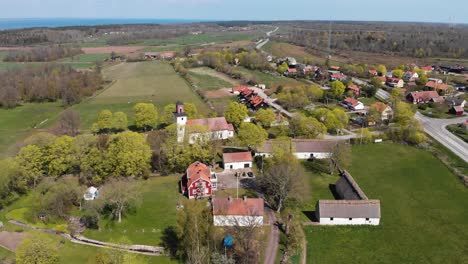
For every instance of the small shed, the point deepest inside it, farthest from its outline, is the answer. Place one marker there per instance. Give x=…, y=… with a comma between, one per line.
x=91, y=193
x=237, y=160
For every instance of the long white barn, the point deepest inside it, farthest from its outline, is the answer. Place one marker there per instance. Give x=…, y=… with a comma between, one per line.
x=300, y=148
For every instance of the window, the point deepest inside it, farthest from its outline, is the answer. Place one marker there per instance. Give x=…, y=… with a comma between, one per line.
x=331, y=218
x=350, y=219
x=367, y=219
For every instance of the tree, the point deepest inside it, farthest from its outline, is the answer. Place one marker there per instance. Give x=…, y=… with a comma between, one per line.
x=403, y=113
x=61, y=196
x=293, y=240
x=129, y=154
x=236, y=113
x=119, y=196
x=70, y=122
x=341, y=154
x=105, y=121
x=314, y=92
x=251, y=135
x=397, y=73
x=422, y=80
x=146, y=115
x=59, y=156
x=265, y=117
x=120, y=121
x=282, y=180
x=167, y=116
x=364, y=135
x=282, y=68
x=382, y=70
x=30, y=161
x=191, y=110
x=307, y=127
x=329, y=119
x=37, y=248
x=337, y=89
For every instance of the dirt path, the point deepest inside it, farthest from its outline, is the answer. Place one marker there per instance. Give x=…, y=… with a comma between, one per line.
x=11, y=240
x=273, y=238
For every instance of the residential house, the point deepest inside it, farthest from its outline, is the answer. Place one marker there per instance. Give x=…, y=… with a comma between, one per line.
x=198, y=181
x=395, y=82
x=215, y=128
x=457, y=110
x=238, y=211
x=238, y=89
x=337, y=77
x=300, y=148
x=291, y=72
x=386, y=112
x=455, y=101
x=355, y=89
x=423, y=97
x=237, y=160
x=373, y=72
x=410, y=76
x=427, y=69
x=435, y=80
x=441, y=88
x=165, y=55
x=91, y=194
x=352, y=104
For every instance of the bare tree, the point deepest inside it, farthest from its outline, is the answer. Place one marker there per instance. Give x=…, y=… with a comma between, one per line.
x=70, y=122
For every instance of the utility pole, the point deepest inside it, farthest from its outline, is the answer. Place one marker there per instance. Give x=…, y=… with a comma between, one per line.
x=329, y=39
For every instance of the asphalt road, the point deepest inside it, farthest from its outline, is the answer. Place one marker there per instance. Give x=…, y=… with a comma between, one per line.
x=436, y=128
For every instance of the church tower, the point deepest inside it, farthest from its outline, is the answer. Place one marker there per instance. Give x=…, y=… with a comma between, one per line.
x=180, y=118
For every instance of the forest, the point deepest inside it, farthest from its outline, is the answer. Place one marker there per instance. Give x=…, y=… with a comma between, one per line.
x=407, y=39
x=42, y=54
x=49, y=82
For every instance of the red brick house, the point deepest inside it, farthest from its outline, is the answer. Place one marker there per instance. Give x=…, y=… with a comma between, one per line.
x=198, y=181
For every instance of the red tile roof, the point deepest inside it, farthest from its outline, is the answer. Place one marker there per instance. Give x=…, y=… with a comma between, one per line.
x=247, y=92
x=213, y=124
x=458, y=109
x=239, y=88
x=198, y=170
x=238, y=206
x=373, y=72
x=426, y=68
x=351, y=101
x=354, y=88
x=425, y=96
x=292, y=70
x=338, y=76
x=256, y=100
x=237, y=157
x=379, y=106
x=437, y=86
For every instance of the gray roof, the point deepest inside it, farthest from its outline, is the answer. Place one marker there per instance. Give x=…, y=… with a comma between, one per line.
x=299, y=145
x=348, y=188
x=348, y=208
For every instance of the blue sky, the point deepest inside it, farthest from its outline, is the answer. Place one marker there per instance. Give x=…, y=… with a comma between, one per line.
x=455, y=11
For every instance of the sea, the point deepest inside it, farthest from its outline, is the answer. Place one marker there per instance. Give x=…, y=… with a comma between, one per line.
x=19, y=23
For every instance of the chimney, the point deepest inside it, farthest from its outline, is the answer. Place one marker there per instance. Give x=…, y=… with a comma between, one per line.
x=229, y=198
x=245, y=198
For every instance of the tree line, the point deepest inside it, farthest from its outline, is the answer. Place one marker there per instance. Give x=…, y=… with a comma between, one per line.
x=47, y=83
x=42, y=54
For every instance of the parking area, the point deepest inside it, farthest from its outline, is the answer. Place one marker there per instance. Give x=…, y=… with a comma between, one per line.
x=229, y=178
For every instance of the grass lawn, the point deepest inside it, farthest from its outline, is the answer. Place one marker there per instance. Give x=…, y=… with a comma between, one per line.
x=261, y=77
x=424, y=216
x=153, y=81
x=83, y=61
x=207, y=82
x=158, y=210
x=459, y=130
x=281, y=49
x=18, y=122
x=6, y=255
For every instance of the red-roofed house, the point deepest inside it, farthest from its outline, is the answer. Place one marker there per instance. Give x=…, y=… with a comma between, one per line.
x=386, y=112
x=352, y=104
x=238, y=89
x=422, y=97
x=337, y=77
x=215, y=128
x=373, y=72
x=395, y=82
x=238, y=211
x=237, y=160
x=291, y=72
x=426, y=69
x=355, y=89
x=410, y=76
x=457, y=110
x=435, y=86
x=198, y=181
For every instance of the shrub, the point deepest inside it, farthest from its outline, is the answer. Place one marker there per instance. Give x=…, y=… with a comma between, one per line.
x=422, y=106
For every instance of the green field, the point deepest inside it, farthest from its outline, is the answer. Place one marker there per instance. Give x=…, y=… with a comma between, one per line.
x=154, y=82
x=261, y=77
x=206, y=82
x=424, y=213
x=84, y=61
x=157, y=211
x=18, y=122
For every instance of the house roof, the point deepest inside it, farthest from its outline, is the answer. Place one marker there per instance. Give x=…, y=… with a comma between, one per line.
x=338, y=76
x=349, y=208
x=373, y=72
x=393, y=80
x=299, y=145
x=354, y=87
x=437, y=86
x=239, y=88
x=292, y=70
x=379, y=106
x=256, y=100
x=351, y=101
x=237, y=157
x=425, y=95
x=198, y=170
x=455, y=100
x=213, y=124
x=426, y=68
x=238, y=206
x=458, y=108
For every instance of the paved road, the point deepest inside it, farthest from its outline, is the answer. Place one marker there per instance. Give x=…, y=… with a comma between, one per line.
x=273, y=238
x=271, y=102
x=436, y=128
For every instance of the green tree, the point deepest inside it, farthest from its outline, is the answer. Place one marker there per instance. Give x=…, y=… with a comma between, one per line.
x=251, y=135
x=38, y=249
x=337, y=89
x=422, y=80
x=307, y=127
x=364, y=135
x=382, y=70
x=59, y=156
x=129, y=154
x=265, y=117
x=120, y=121
x=314, y=92
x=146, y=115
x=282, y=68
x=329, y=119
x=236, y=113
x=403, y=113
x=105, y=121
x=397, y=73
x=341, y=115
x=120, y=196
x=191, y=110
x=30, y=161
x=167, y=116
x=62, y=195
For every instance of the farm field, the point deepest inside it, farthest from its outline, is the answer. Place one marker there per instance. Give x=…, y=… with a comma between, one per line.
x=153, y=81
x=157, y=211
x=261, y=77
x=423, y=212
x=207, y=79
x=281, y=49
x=17, y=123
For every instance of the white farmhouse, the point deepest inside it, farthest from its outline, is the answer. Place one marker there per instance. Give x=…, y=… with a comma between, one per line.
x=238, y=211
x=237, y=160
x=201, y=129
x=348, y=212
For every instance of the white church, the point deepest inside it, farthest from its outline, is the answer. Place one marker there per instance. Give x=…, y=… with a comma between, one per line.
x=211, y=128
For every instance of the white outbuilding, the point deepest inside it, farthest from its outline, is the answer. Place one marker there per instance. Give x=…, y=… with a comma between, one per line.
x=91, y=193
x=348, y=212
x=237, y=160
